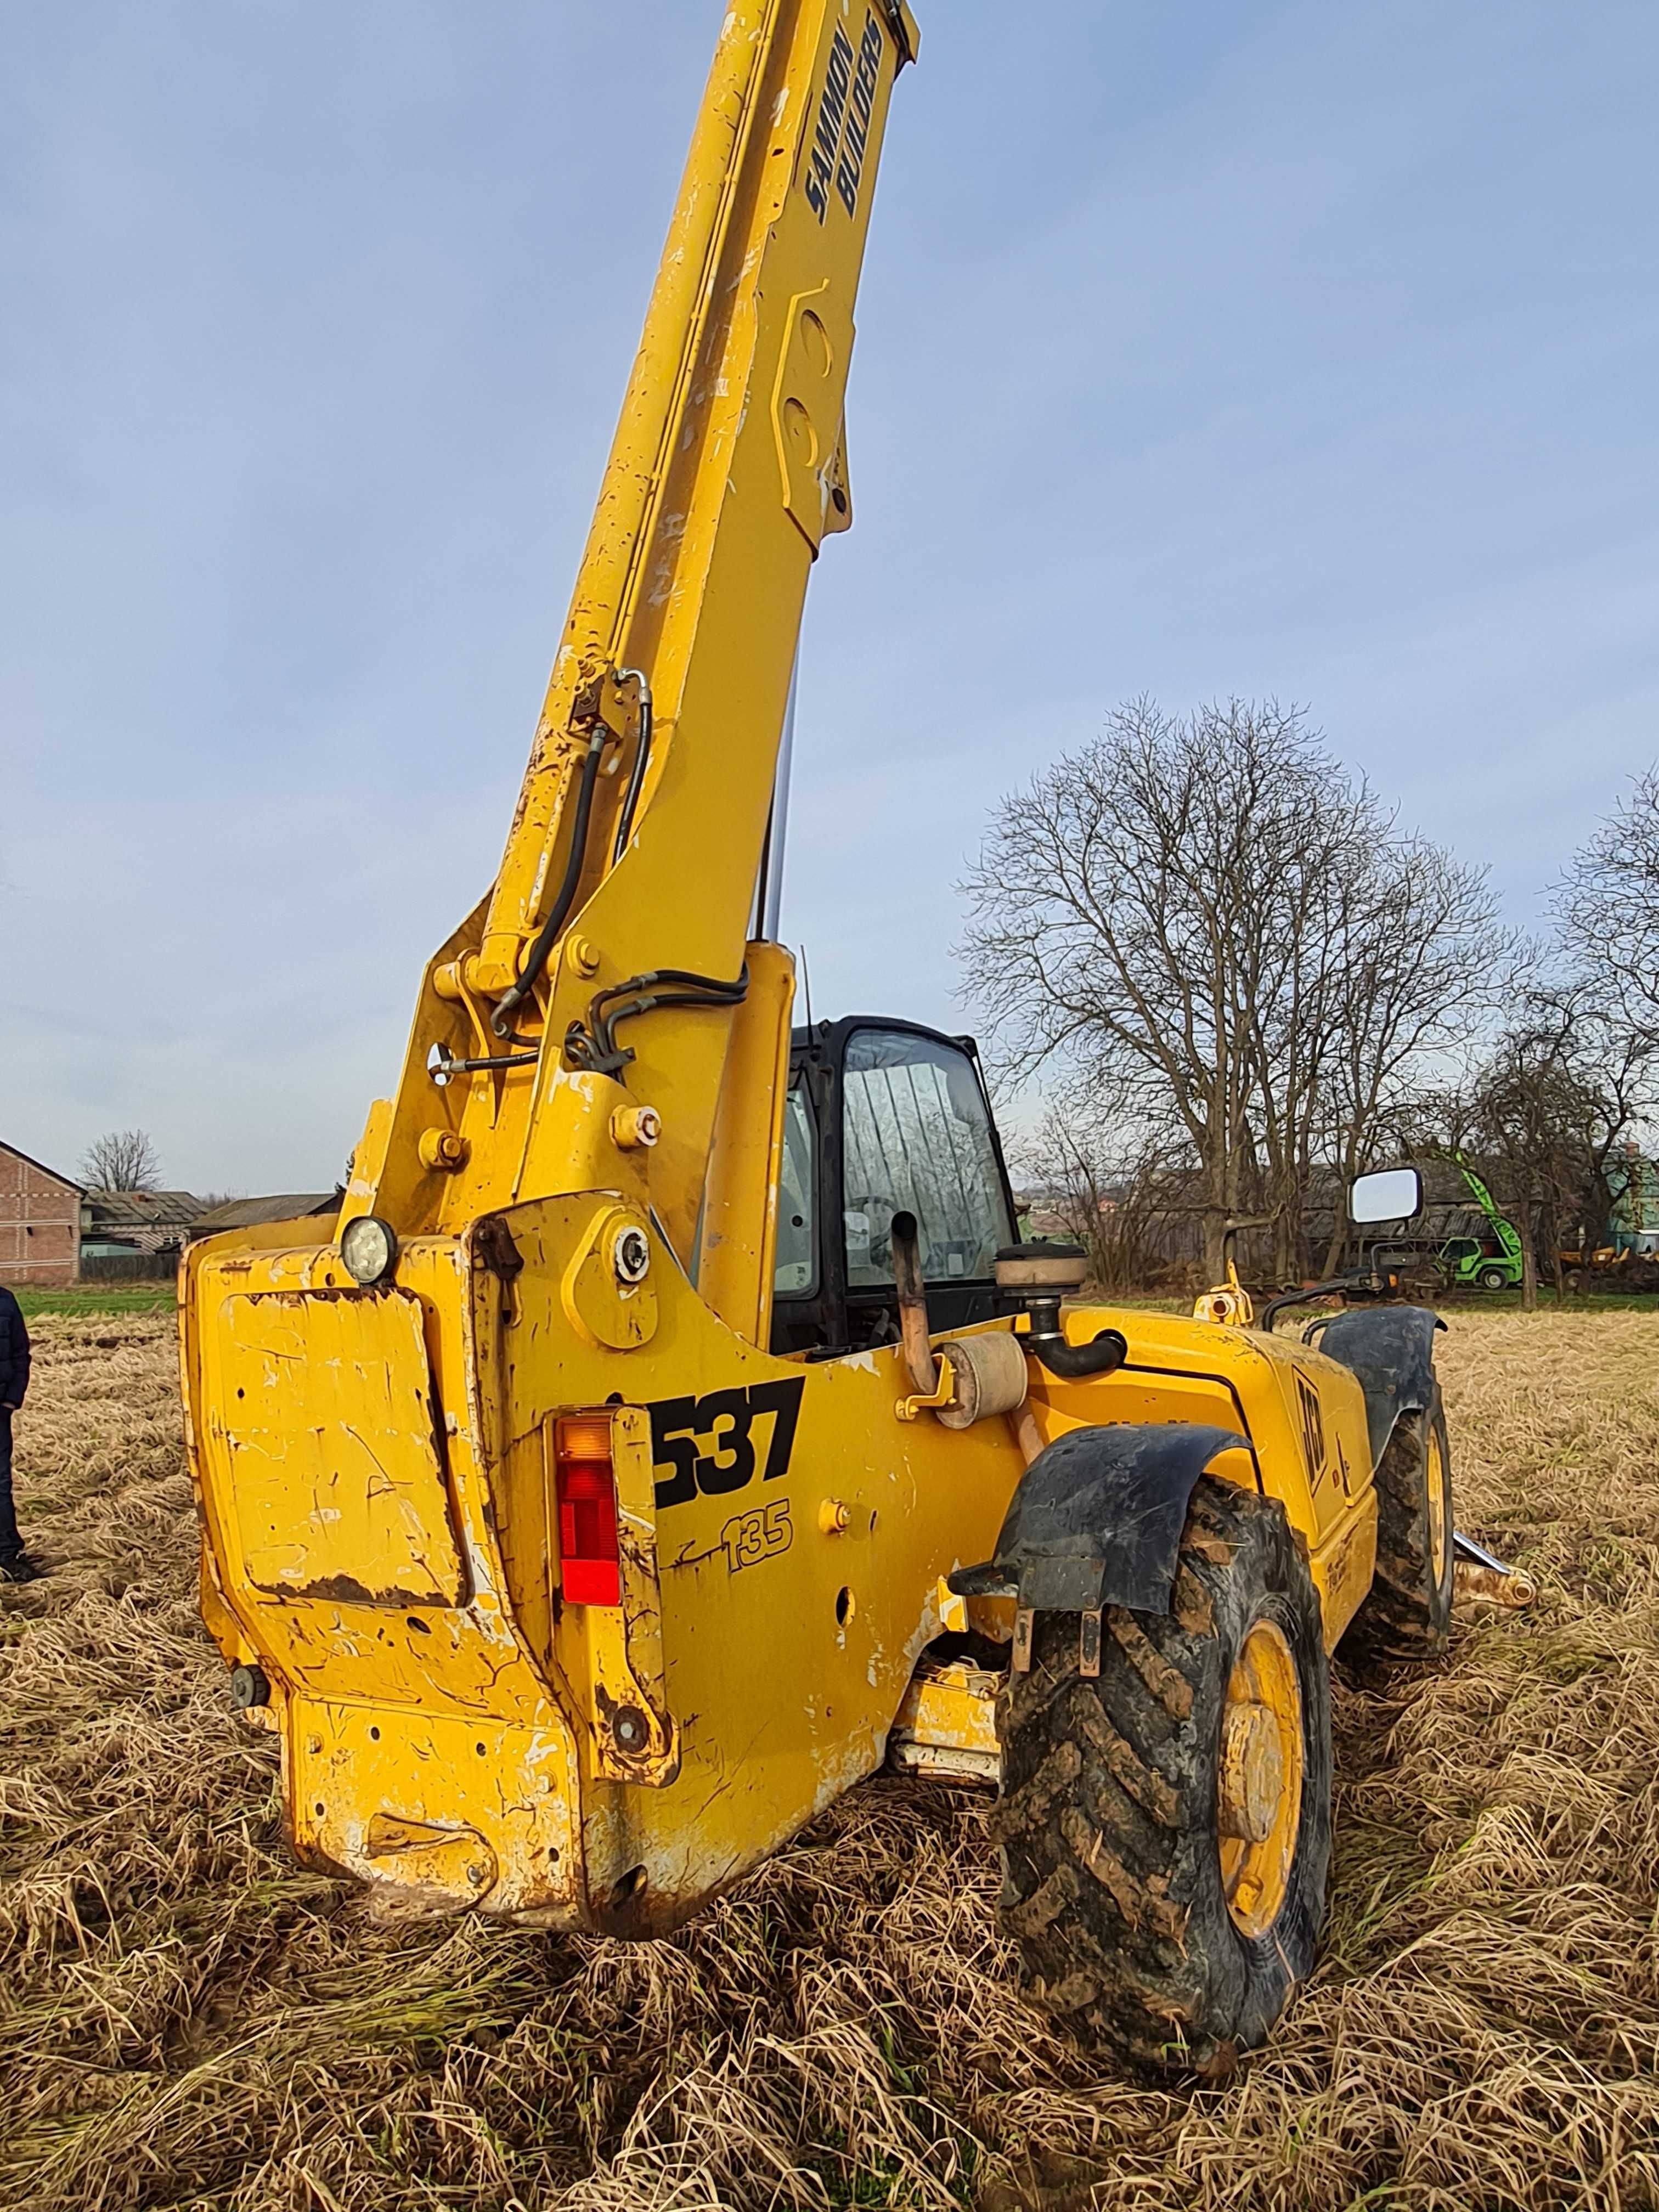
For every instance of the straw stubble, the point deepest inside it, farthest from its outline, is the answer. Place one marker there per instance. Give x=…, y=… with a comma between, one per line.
x=186, y=2020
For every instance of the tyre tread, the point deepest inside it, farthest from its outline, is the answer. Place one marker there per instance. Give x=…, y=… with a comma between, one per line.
x=1104, y=1783
x=1401, y=1617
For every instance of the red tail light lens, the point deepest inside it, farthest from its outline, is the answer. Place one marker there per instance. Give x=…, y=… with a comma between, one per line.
x=590, y=1573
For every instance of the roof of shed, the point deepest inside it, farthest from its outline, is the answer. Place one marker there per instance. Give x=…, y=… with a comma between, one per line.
x=253, y=1212
x=144, y=1209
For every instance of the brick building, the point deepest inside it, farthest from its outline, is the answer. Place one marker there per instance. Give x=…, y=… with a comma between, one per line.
x=40, y=1222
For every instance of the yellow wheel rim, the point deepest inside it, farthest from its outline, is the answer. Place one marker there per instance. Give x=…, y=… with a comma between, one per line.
x=1439, y=1532
x=1259, y=1786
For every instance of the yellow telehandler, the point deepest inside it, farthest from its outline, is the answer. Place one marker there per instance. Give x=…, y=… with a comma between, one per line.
x=670, y=1431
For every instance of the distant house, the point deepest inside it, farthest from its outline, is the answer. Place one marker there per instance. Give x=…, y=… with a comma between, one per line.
x=140, y=1221
x=40, y=1222
x=254, y=1213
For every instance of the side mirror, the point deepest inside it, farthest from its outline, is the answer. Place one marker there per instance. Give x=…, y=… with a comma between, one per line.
x=1390, y=1194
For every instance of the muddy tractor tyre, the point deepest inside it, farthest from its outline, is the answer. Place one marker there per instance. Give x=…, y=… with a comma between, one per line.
x=1493, y=1278
x=1407, y=1613
x=1166, y=1825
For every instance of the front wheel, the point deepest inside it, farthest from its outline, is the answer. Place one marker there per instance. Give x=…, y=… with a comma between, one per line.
x=1407, y=1611
x=1166, y=1825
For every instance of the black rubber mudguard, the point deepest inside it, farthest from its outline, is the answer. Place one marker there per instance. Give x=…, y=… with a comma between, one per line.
x=1391, y=1350
x=1096, y=1519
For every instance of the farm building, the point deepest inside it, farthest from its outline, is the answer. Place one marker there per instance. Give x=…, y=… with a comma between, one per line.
x=157, y=1221
x=135, y=1235
x=40, y=1222
x=254, y=1213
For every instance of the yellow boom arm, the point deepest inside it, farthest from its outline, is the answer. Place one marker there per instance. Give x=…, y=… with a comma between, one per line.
x=638, y=835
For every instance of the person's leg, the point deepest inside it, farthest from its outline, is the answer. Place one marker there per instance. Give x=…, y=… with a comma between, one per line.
x=10, y=1542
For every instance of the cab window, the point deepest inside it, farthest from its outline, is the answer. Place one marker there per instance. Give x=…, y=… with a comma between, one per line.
x=794, y=1271
x=916, y=1137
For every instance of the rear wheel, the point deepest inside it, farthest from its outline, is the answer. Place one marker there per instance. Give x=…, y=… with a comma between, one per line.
x=1493, y=1278
x=1408, y=1614
x=1166, y=1826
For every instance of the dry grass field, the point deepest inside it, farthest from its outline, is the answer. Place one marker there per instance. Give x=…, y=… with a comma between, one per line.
x=187, y=2020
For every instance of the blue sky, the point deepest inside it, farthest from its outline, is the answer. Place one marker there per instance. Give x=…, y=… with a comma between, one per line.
x=1299, y=349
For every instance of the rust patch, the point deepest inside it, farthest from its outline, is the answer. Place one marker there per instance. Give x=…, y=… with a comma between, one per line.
x=494, y=1248
x=636, y=1740
x=346, y=1589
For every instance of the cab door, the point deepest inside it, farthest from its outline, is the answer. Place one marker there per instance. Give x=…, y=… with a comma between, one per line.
x=884, y=1117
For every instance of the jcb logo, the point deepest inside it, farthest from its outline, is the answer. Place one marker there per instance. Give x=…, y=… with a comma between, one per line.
x=723, y=1421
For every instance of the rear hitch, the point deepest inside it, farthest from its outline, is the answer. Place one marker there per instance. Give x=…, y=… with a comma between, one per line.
x=1480, y=1576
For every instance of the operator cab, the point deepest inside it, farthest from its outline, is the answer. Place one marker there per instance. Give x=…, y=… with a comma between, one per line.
x=883, y=1117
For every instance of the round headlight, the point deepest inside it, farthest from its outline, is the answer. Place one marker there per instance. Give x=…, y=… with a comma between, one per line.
x=368, y=1247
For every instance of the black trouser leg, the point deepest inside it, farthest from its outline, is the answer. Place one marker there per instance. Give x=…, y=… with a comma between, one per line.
x=10, y=1542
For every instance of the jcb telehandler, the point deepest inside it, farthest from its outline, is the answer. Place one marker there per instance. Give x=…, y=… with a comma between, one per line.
x=670, y=1430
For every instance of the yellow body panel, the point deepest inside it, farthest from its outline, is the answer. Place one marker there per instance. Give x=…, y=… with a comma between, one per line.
x=328, y=1426
x=772, y=1644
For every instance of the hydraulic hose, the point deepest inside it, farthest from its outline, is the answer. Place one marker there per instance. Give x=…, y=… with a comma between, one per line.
x=509, y=1004
x=641, y=756
x=596, y=1046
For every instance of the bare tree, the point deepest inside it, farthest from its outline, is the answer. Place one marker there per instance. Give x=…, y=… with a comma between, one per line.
x=1607, y=911
x=1116, y=1206
x=124, y=1159
x=1424, y=964
x=1544, y=1118
x=1210, y=923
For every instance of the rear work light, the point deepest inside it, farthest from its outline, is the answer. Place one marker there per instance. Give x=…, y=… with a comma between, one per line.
x=590, y=1574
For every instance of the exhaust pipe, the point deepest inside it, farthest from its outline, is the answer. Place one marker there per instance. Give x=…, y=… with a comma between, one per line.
x=915, y=1334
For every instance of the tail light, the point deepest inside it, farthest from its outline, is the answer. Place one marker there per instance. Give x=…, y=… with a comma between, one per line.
x=590, y=1573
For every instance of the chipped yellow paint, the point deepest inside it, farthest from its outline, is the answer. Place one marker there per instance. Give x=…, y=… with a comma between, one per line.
x=776, y=1654
x=947, y=1723
x=328, y=1421
x=695, y=572
x=449, y=1810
